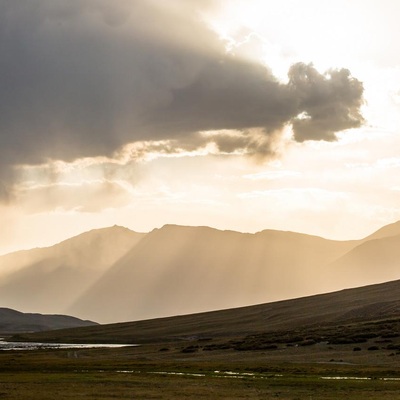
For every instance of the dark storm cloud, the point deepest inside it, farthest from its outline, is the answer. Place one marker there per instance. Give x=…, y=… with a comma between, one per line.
x=82, y=78
x=331, y=102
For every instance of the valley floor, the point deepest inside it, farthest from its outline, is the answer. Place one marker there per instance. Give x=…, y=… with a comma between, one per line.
x=168, y=371
x=109, y=385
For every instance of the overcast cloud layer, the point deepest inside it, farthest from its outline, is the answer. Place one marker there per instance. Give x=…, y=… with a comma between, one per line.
x=82, y=78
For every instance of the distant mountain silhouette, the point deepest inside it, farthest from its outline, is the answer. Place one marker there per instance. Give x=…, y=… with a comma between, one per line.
x=114, y=274
x=12, y=321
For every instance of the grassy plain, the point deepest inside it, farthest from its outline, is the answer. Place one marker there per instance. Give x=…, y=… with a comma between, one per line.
x=153, y=372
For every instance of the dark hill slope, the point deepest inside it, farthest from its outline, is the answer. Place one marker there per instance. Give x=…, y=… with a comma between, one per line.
x=12, y=321
x=350, y=306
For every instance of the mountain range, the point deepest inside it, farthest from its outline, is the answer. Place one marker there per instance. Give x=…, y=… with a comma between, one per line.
x=115, y=274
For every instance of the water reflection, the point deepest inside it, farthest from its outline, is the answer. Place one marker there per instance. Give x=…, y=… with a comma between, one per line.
x=4, y=345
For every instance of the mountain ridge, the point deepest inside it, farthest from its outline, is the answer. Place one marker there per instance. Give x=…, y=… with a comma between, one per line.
x=114, y=274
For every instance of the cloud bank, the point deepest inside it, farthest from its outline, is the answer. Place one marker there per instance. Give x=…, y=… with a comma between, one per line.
x=83, y=79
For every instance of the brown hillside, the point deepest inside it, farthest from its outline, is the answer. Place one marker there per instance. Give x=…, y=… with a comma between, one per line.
x=351, y=306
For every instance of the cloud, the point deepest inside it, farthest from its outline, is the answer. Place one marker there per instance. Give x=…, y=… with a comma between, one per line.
x=83, y=79
x=329, y=102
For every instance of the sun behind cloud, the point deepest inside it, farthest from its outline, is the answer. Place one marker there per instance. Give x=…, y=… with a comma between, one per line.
x=107, y=118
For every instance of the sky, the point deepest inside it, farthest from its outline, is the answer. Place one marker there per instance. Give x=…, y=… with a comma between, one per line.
x=242, y=115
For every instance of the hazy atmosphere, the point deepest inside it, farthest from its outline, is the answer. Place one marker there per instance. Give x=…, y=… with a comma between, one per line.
x=241, y=115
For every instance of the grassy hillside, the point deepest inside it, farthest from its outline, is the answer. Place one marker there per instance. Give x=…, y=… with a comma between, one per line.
x=352, y=306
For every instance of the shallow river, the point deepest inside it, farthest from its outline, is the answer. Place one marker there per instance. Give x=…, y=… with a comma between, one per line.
x=35, y=346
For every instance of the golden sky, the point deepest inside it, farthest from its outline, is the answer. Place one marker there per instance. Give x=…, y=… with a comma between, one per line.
x=242, y=115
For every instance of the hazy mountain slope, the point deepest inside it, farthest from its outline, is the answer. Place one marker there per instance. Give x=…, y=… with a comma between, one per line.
x=385, y=231
x=114, y=274
x=57, y=275
x=177, y=270
x=370, y=303
x=78, y=250
x=12, y=262
x=12, y=321
x=374, y=261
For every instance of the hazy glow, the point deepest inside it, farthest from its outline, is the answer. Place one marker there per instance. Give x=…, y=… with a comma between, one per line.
x=342, y=189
